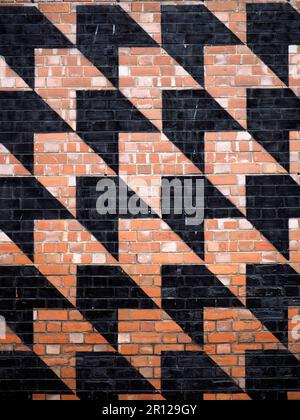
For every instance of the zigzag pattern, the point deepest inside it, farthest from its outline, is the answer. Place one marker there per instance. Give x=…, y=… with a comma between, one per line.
x=88, y=275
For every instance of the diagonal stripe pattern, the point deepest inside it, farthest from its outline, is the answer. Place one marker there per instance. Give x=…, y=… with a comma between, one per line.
x=189, y=118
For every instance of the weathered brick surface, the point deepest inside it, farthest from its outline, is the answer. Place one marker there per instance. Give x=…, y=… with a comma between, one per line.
x=138, y=92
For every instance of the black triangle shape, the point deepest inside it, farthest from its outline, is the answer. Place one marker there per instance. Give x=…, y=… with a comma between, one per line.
x=187, y=115
x=102, y=115
x=23, y=200
x=23, y=373
x=22, y=235
x=23, y=289
x=105, y=227
x=272, y=114
x=98, y=285
x=271, y=201
x=190, y=375
x=175, y=213
x=216, y=206
x=272, y=45
x=193, y=236
x=22, y=114
x=187, y=290
x=274, y=232
x=195, y=110
x=102, y=30
x=279, y=328
x=22, y=61
x=271, y=374
x=191, y=144
x=187, y=29
x=271, y=290
x=277, y=144
x=23, y=29
x=104, y=376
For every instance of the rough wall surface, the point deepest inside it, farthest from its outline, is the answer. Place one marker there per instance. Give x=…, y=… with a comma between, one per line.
x=144, y=306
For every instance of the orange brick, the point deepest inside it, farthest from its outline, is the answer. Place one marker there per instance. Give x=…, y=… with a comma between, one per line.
x=76, y=327
x=52, y=315
x=222, y=338
x=56, y=8
x=53, y=338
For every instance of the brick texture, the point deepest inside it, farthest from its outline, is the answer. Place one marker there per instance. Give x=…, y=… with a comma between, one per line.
x=143, y=306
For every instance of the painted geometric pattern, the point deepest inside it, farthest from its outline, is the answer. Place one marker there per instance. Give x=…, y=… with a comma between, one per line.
x=145, y=307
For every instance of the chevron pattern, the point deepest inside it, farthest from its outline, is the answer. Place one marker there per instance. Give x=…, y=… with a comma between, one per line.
x=143, y=306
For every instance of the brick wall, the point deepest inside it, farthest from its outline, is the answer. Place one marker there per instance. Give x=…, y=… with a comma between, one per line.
x=143, y=306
